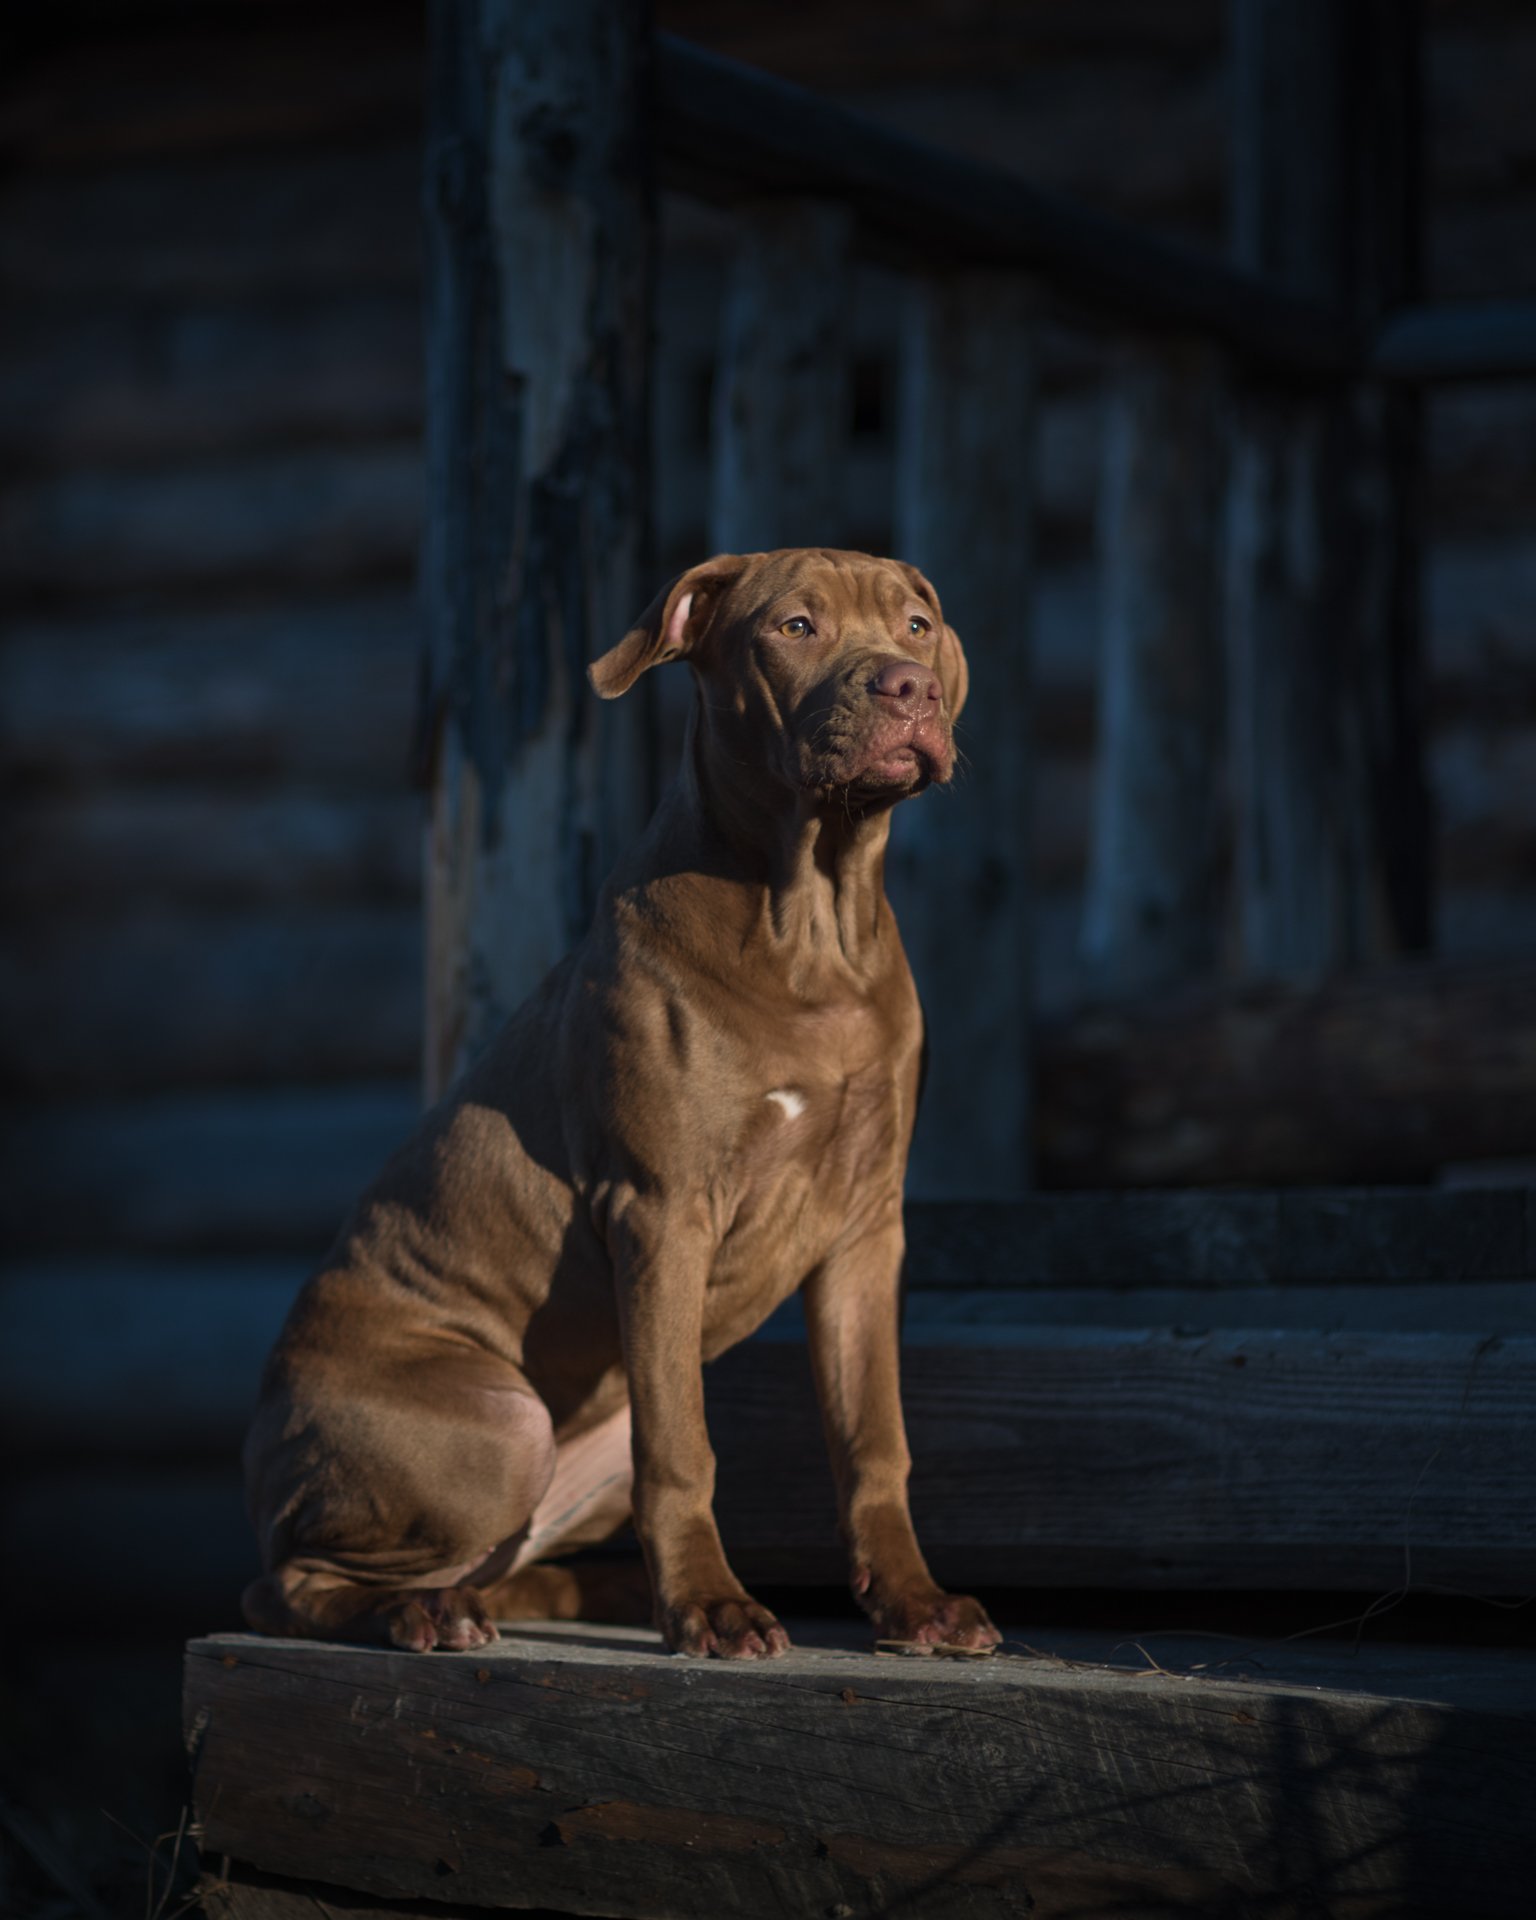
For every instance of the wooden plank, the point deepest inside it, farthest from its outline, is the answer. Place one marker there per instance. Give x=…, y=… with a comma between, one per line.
x=728, y=133
x=589, y=1772
x=323, y=516
x=965, y=510
x=1471, y=340
x=1154, y=908
x=121, y=1356
x=1229, y=1458
x=207, y=998
x=537, y=177
x=94, y=384
x=174, y=846
x=781, y=408
x=1379, y=1076
x=213, y=692
x=1331, y=820
x=251, y=1168
x=313, y=219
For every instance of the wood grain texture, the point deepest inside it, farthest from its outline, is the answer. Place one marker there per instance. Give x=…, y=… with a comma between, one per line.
x=965, y=512
x=540, y=231
x=1153, y=913
x=1164, y=1458
x=1383, y=1075
x=590, y=1773
x=780, y=410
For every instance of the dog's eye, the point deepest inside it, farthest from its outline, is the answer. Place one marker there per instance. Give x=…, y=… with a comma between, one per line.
x=796, y=628
x=917, y=624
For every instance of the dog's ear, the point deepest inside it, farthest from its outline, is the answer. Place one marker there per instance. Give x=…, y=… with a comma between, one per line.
x=952, y=669
x=669, y=628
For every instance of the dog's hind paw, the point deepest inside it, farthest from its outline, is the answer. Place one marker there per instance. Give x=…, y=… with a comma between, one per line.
x=453, y=1618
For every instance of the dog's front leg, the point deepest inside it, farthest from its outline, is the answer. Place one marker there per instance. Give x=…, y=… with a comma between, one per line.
x=661, y=1270
x=852, y=1313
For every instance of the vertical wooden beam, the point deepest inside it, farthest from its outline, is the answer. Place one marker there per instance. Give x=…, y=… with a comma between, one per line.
x=780, y=409
x=958, y=869
x=1153, y=914
x=539, y=230
x=1331, y=816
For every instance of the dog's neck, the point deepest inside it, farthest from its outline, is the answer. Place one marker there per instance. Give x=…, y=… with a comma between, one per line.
x=801, y=877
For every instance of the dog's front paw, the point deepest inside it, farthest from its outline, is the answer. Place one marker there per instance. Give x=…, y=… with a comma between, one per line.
x=422, y=1618
x=933, y=1618
x=733, y=1629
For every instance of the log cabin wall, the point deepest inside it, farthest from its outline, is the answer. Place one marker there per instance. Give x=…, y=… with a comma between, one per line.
x=210, y=414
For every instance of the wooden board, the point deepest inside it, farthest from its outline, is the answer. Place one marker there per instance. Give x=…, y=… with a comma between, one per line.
x=585, y=1770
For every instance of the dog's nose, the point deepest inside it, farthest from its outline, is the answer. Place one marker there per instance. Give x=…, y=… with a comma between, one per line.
x=907, y=683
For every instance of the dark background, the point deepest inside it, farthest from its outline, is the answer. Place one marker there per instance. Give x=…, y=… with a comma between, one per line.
x=210, y=416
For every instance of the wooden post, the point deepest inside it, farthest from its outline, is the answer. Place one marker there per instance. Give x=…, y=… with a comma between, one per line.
x=958, y=868
x=1331, y=821
x=539, y=226
x=780, y=418
x=1153, y=913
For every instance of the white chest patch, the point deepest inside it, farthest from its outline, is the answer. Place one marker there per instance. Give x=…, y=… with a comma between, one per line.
x=792, y=1101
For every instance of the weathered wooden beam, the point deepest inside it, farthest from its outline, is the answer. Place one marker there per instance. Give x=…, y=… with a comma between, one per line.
x=965, y=466
x=540, y=227
x=1154, y=903
x=1471, y=340
x=1331, y=818
x=1384, y=1075
x=780, y=408
x=586, y=1771
x=729, y=133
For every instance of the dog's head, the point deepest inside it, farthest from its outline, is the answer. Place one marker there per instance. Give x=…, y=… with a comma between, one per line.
x=832, y=671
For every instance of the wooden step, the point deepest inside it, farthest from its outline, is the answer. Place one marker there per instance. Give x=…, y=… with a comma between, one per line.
x=582, y=1769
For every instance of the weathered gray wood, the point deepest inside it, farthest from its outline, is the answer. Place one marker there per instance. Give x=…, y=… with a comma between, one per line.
x=780, y=408
x=959, y=859
x=165, y=846
x=1153, y=913
x=1385, y=1075
x=323, y=516
x=1228, y=1458
x=250, y=1167
x=1481, y=340
x=320, y=690
x=540, y=222
x=730, y=133
x=589, y=1772
x=1331, y=823
x=203, y=998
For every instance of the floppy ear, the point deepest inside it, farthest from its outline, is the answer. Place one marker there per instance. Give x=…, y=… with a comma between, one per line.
x=952, y=669
x=668, y=629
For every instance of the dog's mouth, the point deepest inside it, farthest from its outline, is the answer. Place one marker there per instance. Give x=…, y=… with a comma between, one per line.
x=891, y=760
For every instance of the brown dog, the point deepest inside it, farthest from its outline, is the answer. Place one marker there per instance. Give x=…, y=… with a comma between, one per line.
x=704, y=1108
